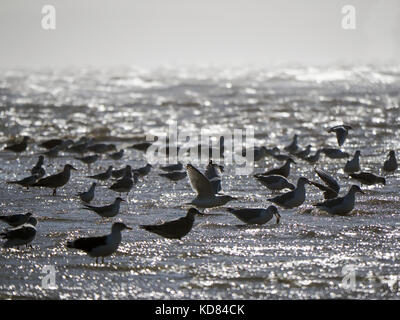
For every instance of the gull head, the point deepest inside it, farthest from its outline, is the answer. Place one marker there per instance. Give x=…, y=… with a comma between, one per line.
x=274, y=211
x=354, y=188
x=119, y=226
x=69, y=167
x=392, y=153
x=193, y=211
x=119, y=199
x=303, y=181
x=290, y=160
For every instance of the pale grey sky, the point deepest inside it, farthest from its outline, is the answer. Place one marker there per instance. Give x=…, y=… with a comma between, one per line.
x=155, y=32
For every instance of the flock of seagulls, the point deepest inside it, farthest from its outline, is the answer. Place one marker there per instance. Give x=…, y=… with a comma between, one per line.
x=207, y=186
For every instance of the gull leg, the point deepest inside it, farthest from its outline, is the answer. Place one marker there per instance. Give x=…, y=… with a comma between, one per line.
x=97, y=260
x=102, y=260
x=55, y=192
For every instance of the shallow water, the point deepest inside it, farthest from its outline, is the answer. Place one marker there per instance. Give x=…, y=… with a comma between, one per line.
x=302, y=257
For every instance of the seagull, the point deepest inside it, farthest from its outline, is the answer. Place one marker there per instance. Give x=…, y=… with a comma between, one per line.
x=303, y=153
x=335, y=153
x=126, y=183
x=18, y=147
x=143, y=146
x=100, y=246
x=57, y=180
x=206, y=198
x=53, y=152
x=89, y=159
x=341, y=133
x=107, y=211
x=37, y=169
x=342, y=205
x=25, y=182
x=101, y=148
x=329, y=180
x=143, y=171
x=104, y=175
x=16, y=220
x=256, y=216
x=259, y=153
x=172, y=167
x=88, y=195
x=80, y=148
x=282, y=171
x=292, y=199
x=120, y=172
x=368, y=178
x=175, y=229
x=292, y=147
x=390, y=165
x=314, y=158
x=213, y=173
x=117, y=155
x=19, y=236
x=50, y=144
x=353, y=165
x=274, y=182
x=174, y=175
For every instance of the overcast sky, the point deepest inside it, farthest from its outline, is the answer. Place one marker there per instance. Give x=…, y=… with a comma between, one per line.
x=156, y=32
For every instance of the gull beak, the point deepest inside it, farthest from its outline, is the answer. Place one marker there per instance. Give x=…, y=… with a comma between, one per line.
x=278, y=218
x=74, y=168
x=129, y=228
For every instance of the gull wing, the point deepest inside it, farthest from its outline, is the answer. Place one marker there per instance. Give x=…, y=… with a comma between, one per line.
x=330, y=181
x=199, y=183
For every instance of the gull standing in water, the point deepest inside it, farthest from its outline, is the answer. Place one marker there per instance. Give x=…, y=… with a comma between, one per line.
x=107, y=211
x=303, y=153
x=104, y=175
x=206, y=198
x=274, y=182
x=342, y=205
x=121, y=172
x=341, y=133
x=38, y=169
x=172, y=167
x=100, y=246
x=368, y=178
x=19, y=236
x=117, y=155
x=143, y=171
x=175, y=229
x=88, y=195
x=15, y=220
x=282, y=171
x=174, y=175
x=390, y=165
x=335, y=153
x=292, y=147
x=126, y=183
x=101, y=148
x=89, y=159
x=57, y=180
x=314, y=158
x=256, y=216
x=18, y=147
x=25, y=182
x=292, y=199
x=353, y=165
